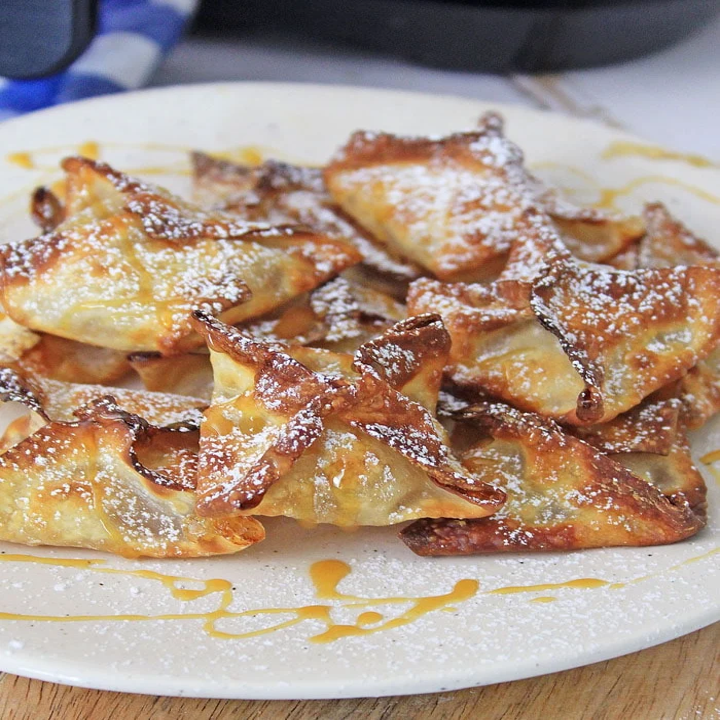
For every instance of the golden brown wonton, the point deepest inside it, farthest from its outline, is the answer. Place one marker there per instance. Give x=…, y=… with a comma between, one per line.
x=451, y=205
x=562, y=494
x=279, y=193
x=578, y=343
x=129, y=264
x=82, y=484
x=668, y=243
x=456, y=205
x=57, y=401
x=58, y=358
x=673, y=473
x=591, y=234
x=338, y=316
x=323, y=437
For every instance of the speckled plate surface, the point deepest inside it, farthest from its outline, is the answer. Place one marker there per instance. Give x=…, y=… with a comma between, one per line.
x=635, y=598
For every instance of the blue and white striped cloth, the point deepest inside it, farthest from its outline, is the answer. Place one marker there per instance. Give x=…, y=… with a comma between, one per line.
x=133, y=36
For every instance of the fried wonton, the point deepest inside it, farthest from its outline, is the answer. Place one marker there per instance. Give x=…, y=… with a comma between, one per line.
x=325, y=437
x=591, y=234
x=338, y=316
x=57, y=401
x=82, y=483
x=673, y=473
x=455, y=205
x=56, y=357
x=669, y=243
x=129, y=263
x=562, y=494
x=451, y=205
x=650, y=427
x=579, y=343
x=280, y=193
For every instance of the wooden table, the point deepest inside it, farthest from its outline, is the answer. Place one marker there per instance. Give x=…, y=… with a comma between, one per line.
x=679, y=680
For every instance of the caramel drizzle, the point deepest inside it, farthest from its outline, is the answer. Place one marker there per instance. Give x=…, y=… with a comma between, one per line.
x=35, y=160
x=608, y=196
x=625, y=148
x=325, y=575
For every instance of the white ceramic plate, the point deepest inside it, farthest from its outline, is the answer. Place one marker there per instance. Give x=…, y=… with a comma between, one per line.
x=484, y=639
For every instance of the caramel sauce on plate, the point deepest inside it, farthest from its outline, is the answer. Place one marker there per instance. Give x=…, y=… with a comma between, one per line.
x=89, y=149
x=582, y=583
x=624, y=148
x=37, y=160
x=325, y=575
x=21, y=159
x=608, y=196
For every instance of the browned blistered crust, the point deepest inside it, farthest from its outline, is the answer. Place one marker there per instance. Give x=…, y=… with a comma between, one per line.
x=277, y=192
x=370, y=402
x=84, y=483
x=618, y=336
x=650, y=427
x=46, y=209
x=673, y=473
x=130, y=263
x=56, y=400
x=70, y=361
x=562, y=494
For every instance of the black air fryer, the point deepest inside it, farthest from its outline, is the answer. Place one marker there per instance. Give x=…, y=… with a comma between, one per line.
x=485, y=35
x=39, y=37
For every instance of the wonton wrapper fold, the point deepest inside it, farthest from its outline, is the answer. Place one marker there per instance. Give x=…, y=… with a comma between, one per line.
x=578, y=343
x=82, y=484
x=323, y=438
x=129, y=264
x=280, y=193
x=562, y=495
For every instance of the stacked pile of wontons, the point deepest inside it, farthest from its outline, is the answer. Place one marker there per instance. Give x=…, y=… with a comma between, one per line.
x=421, y=331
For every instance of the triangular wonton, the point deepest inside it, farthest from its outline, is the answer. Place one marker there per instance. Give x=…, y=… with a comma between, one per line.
x=129, y=264
x=562, y=494
x=323, y=437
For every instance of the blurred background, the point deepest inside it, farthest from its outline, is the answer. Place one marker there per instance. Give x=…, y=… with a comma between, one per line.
x=648, y=65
